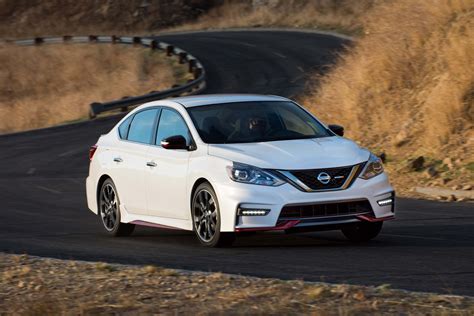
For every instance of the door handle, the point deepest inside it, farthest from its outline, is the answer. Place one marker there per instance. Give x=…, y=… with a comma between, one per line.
x=151, y=164
x=118, y=159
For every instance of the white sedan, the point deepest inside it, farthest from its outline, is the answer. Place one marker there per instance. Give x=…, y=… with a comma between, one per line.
x=220, y=165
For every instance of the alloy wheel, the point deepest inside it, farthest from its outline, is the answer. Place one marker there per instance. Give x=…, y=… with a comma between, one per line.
x=205, y=215
x=108, y=207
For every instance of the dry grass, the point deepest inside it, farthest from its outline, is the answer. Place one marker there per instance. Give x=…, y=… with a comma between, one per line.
x=45, y=85
x=36, y=286
x=344, y=15
x=407, y=86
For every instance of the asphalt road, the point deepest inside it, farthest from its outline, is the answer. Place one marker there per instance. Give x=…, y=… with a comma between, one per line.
x=43, y=209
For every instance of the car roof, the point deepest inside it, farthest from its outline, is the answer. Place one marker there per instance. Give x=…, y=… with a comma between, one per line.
x=206, y=99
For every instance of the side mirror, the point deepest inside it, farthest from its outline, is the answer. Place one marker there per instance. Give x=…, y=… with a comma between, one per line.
x=337, y=129
x=174, y=142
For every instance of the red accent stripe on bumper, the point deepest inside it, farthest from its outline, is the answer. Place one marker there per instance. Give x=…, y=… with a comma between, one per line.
x=281, y=226
x=374, y=219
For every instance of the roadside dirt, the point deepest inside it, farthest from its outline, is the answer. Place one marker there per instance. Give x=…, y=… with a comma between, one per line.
x=39, y=286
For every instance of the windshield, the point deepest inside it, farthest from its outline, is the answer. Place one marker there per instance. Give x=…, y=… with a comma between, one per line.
x=258, y=121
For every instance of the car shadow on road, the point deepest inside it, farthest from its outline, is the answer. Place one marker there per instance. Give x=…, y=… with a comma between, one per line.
x=406, y=237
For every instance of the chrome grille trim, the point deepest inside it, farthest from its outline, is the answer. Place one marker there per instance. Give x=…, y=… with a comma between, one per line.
x=299, y=184
x=303, y=187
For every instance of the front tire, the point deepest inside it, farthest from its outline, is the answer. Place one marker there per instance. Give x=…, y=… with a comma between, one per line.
x=363, y=231
x=109, y=211
x=207, y=219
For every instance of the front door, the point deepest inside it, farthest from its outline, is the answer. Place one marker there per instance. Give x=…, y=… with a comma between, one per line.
x=167, y=174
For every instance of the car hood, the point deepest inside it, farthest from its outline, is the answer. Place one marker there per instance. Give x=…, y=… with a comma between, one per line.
x=313, y=153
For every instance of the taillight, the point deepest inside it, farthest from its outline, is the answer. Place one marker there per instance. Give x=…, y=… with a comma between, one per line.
x=92, y=151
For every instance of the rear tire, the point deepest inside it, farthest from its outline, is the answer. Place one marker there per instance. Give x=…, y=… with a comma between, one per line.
x=363, y=231
x=109, y=211
x=207, y=219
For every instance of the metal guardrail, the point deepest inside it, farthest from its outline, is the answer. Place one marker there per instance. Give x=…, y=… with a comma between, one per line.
x=194, y=86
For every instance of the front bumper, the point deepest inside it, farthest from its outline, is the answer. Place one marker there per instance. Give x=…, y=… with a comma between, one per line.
x=233, y=195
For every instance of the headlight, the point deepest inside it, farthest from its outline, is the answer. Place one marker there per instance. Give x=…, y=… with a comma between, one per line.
x=373, y=167
x=240, y=172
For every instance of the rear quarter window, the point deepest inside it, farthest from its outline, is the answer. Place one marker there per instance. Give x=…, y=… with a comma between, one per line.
x=123, y=128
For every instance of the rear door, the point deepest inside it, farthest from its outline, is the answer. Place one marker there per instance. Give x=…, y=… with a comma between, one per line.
x=166, y=179
x=131, y=159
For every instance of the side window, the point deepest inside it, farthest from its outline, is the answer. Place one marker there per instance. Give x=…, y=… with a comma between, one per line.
x=123, y=128
x=171, y=124
x=141, y=128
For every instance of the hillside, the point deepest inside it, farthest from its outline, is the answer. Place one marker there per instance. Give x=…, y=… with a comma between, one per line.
x=20, y=18
x=406, y=88
x=57, y=17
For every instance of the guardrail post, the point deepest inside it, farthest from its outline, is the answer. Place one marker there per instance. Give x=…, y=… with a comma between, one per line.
x=197, y=72
x=169, y=50
x=38, y=40
x=154, y=44
x=192, y=64
x=94, y=109
x=67, y=38
x=177, y=94
x=125, y=107
x=137, y=40
x=115, y=39
x=182, y=57
x=92, y=38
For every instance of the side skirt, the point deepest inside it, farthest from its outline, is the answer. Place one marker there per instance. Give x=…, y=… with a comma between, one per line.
x=154, y=221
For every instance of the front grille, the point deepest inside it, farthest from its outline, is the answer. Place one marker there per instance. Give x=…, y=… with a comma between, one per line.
x=325, y=209
x=338, y=177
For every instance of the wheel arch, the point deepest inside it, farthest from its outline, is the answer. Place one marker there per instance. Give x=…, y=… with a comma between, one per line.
x=197, y=183
x=99, y=186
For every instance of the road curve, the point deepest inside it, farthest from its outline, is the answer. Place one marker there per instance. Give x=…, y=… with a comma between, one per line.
x=43, y=209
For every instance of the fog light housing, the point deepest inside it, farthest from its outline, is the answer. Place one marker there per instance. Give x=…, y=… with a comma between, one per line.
x=385, y=202
x=252, y=212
